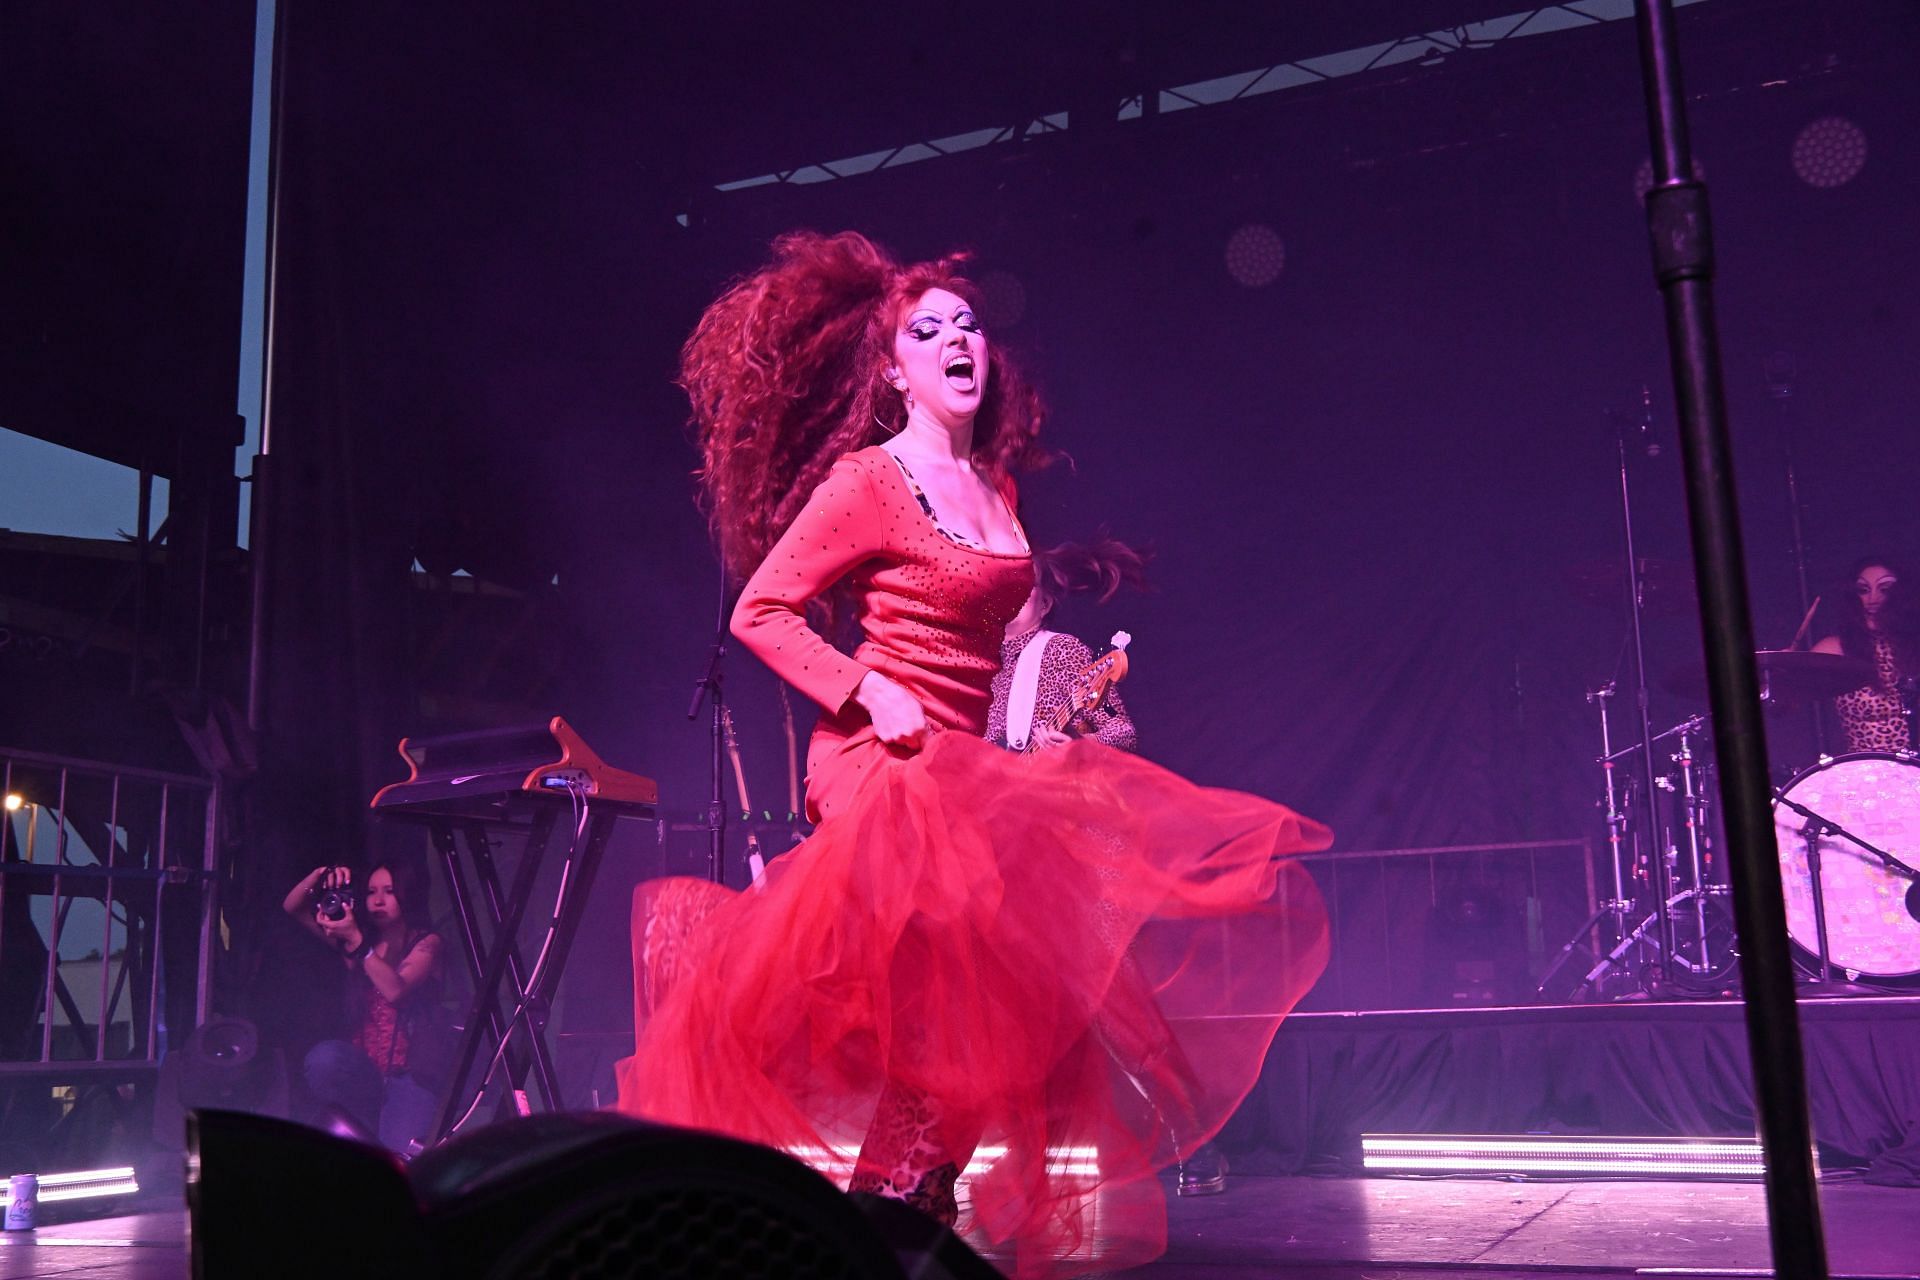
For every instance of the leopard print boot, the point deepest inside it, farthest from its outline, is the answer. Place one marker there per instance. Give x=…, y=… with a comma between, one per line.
x=902, y=1159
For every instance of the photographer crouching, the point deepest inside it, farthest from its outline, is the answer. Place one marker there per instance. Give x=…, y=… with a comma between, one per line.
x=386, y=1077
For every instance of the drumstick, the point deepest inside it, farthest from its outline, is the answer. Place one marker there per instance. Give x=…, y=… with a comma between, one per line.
x=1805, y=622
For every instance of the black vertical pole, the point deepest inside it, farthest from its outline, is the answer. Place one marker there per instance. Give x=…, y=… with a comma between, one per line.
x=1683, y=264
x=711, y=687
x=717, y=798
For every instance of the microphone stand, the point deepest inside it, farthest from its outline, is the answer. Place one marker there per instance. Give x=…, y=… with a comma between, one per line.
x=708, y=688
x=1659, y=877
x=1817, y=826
x=1780, y=375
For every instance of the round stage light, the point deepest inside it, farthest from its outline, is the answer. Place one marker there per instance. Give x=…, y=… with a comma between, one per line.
x=1255, y=255
x=1003, y=299
x=14, y=802
x=1830, y=152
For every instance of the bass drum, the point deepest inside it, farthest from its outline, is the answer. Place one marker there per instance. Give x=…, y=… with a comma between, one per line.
x=1869, y=929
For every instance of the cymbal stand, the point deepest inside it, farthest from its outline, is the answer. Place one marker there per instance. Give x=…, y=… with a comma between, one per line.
x=1692, y=807
x=1779, y=370
x=1621, y=854
x=1661, y=915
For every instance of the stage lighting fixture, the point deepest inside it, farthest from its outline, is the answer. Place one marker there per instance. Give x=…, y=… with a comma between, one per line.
x=14, y=801
x=1558, y=1156
x=89, y=1184
x=1830, y=152
x=221, y=1065
x=1255, y=255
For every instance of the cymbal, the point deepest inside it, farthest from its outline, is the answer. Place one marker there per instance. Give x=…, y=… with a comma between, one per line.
x=1666, y=585
x=1789, y=673
x=1802, y=673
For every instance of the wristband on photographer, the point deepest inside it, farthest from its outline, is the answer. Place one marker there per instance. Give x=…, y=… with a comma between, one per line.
x=362, y=951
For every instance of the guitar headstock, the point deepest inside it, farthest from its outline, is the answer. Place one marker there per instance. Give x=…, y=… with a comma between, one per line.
x=1110, y=668
x=1088, y=688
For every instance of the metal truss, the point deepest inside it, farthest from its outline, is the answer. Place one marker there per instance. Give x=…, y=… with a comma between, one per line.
x=1426, y=49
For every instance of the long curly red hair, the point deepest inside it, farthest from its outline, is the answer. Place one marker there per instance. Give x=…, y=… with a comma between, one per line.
x=785, y=372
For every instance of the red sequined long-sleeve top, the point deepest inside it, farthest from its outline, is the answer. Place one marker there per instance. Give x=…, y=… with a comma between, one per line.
x=931, y=610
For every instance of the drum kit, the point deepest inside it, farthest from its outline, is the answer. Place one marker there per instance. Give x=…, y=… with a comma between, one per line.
x=1848, y=829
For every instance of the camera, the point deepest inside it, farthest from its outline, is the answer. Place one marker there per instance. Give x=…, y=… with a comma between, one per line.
x=334, y=903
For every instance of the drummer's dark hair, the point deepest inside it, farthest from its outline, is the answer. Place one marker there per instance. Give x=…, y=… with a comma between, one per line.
x=1899, y=618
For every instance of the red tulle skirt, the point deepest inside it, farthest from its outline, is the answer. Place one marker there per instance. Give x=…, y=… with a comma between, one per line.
x=1069, y=964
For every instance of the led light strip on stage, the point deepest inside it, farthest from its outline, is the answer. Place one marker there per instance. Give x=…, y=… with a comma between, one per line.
x=838, y=1162
x=1561, y=1156
x=91, y=1184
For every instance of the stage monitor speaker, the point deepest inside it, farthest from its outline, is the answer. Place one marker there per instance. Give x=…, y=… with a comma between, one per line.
x=585, y=1195
x=221, y=1067
x=600, y=1195
x=268, y=1197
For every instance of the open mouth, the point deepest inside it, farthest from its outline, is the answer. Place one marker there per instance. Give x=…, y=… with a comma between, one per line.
x=959, y=372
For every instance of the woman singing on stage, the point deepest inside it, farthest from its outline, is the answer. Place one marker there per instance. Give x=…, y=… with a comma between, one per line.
x=1043, y=977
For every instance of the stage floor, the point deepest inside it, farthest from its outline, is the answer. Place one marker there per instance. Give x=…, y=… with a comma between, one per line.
x=1317, y=1229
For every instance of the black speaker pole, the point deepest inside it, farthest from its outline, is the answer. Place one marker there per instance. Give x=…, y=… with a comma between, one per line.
x=1683, y=265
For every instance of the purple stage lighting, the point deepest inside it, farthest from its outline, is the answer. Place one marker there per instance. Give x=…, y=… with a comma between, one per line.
x=1830, y=152
x=1255, y=255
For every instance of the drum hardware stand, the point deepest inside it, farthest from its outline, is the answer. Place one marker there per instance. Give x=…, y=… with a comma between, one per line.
x=1688, y=795
x=1816, y=827
x=1621, y=855
x=1692, y=813
x=1697, y=896
x=1909, y=688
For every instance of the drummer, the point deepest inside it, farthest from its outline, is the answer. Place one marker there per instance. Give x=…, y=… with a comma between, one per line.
x=1879, y=620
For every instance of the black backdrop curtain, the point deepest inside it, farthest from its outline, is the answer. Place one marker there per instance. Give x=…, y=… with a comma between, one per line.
x=1370, y=487
x=1665, y=1071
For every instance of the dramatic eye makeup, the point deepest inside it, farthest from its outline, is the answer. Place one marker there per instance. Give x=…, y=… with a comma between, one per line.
x=926, y=325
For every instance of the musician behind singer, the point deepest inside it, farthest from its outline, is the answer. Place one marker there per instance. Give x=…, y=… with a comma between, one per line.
x=1037, y=666
x=1879, y=621
x=1037, y=672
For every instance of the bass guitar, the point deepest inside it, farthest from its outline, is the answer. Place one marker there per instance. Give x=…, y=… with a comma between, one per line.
x=1088, y=689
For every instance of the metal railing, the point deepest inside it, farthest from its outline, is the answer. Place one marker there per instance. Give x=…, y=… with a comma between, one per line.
x=142, y=844
x=1400, y=915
